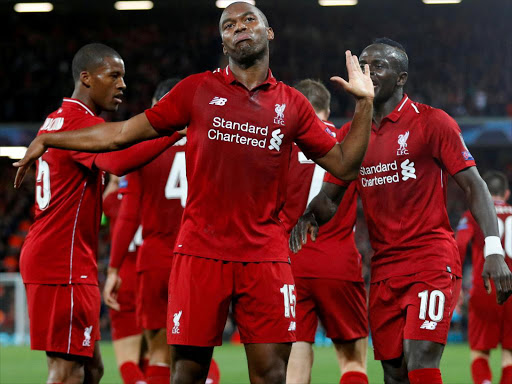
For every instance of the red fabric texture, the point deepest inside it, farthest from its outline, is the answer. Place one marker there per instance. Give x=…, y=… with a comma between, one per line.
x=131, y=373
x=354, y=378
x=157, y=374
x=426, y=376
x=480, y=371
x=506, y=375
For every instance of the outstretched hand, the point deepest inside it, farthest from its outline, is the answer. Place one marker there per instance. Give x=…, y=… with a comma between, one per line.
x=359, y=83
x=299, y=235
x=35, y=150
x=496, y=269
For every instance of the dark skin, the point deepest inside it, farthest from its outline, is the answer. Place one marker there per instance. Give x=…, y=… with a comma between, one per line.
x=389, y=81
x=246, y=40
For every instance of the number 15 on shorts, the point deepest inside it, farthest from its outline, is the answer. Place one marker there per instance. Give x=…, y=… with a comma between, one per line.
x=289, y=299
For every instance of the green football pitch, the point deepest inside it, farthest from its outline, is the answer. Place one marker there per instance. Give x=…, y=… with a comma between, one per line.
x=19, y=365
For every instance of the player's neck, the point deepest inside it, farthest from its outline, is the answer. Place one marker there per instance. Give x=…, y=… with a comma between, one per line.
x=381, y=110
x=86, y=99
x=250, y=74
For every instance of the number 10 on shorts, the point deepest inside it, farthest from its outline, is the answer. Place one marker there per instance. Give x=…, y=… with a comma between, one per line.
x=434, y=305
x=289, y=299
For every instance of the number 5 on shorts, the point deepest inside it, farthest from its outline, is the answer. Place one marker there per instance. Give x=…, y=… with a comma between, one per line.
x=435, y=305
x=289, y=299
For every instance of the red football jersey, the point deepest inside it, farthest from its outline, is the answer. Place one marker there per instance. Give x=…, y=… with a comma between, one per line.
x=163, y=194
x=238, y=153
x=402, y=185
x=334, y=254
x=468, y=231
x=61, y=246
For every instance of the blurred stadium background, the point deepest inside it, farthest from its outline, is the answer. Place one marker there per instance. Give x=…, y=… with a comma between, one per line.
x=460, y=60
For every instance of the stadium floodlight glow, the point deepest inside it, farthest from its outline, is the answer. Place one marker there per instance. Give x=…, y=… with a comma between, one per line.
x=442, y=1
x=133, y=5
x=33, y=7
x=336, y=3
x=14, y=153
x=225, y=3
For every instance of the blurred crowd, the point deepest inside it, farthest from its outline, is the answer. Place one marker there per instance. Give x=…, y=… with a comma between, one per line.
x=459, y=58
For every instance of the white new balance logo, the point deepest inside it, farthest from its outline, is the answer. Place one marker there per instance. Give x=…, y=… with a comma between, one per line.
x=293, y=326
x=408, y=170
x=430, y=325
x=276, y=140
x=218, y=101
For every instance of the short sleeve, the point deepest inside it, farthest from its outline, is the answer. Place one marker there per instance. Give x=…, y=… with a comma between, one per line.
x=312, y=137
x=328, y=178
x=444, y=138
x=173, y=112
x=85, y=158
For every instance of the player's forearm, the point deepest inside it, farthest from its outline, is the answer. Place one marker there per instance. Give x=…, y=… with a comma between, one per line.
x=127, y=160
x=356, y=142
x=124, y=232
x=102, y=137
x=326, y=203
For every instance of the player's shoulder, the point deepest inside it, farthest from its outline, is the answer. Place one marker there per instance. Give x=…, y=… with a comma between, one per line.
x=430, y=113
x=69, y=117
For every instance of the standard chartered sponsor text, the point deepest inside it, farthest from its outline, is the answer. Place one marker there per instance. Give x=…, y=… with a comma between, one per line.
x=407, y=168
x=239, y=138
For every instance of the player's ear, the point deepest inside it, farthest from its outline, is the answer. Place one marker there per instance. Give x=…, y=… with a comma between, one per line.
x=402, y=79
x=85, y=79
x=224, y=49
x=270, y=34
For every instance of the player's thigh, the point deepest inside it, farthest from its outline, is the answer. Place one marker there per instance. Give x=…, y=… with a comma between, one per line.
x=341, y=307
x=65, y=318
x=152, y=297
x=190, y=364
x=430, y=300
x=395, y=371
x=200, y=292
x=420, y=354
x=93, y=367
x=127, y=349
x=264, y=309
x=65, y=368
x=387, y=319
x=306, y=315
x=267, y=362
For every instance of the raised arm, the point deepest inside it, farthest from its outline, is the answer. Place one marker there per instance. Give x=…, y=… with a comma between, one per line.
x=320, y=210
x=482, y=209
x=343, y=160
x=102, y=137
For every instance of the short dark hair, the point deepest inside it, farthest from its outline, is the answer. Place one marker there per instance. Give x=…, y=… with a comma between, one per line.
x=164, y=87
x=317, y=94
x=90, y=57
x=403, y=60
x=497, y=182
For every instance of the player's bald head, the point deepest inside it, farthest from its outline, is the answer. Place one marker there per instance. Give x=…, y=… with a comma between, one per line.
x=90, y=57
x=242, y=4
x=394, y=50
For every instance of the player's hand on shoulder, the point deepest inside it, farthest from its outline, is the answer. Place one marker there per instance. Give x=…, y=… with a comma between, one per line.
x=299, y=234
x=112, y=285
x=496, y=269
x=359, y=83
x=35, y=150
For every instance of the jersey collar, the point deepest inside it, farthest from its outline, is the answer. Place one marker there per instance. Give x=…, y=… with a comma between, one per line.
x=230, y=78
x=399, y=110
x=68, y=101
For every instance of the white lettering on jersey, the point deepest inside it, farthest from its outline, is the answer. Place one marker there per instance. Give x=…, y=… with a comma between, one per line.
x=136, y=241
x=43, y=192
x=317, y=179
x=218, y=101
x=505, y=231
x=408, y=170
x=177, y=186
x=276, y=140
x=53, y=124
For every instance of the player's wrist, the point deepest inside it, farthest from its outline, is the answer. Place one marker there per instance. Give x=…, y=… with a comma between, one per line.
x=493, y=246
x=111, y=270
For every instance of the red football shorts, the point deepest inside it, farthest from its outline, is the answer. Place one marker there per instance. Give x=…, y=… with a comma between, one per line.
x=489, y=323
x=152, y=298
x=416, y=307
x=340, y=305
x=64, y=318
x=201, y=290
x=127, y=294
x=124, y=324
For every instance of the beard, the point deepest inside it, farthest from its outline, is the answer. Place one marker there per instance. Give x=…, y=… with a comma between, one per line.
x=247, y=54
